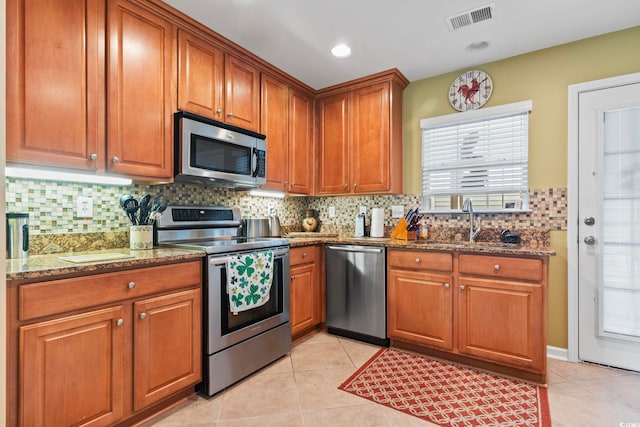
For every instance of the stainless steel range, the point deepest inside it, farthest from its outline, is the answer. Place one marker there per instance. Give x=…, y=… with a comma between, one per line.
x=237, y=342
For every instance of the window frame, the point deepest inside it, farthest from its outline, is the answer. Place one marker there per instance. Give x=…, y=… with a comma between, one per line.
x=469, y=117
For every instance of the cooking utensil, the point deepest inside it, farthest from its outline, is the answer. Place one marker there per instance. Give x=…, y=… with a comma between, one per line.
x=145, y=210
x=131, y=207
x=124, y=199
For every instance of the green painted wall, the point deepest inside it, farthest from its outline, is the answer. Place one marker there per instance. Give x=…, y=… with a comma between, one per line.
x=542, y=76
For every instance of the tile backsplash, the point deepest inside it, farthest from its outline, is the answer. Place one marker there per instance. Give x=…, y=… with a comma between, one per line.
x=52, y=209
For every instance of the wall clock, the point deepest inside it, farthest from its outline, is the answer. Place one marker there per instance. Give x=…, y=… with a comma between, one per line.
x=470, y=90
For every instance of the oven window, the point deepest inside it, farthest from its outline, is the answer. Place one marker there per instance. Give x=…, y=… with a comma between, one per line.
x=232, y=322
x=221, y=156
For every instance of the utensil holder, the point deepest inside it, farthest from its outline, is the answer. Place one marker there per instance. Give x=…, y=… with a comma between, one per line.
x=400, y=231
x=141, y=237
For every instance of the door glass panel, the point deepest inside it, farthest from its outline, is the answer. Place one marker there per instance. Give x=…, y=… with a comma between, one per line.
x=620, y=269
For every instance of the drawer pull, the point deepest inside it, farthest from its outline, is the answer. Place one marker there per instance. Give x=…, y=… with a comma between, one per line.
x=142, y=316
x=462, y=287
x=132, y=285
x=304, y=255
x=119, y=322
x=293, y=277
x=496, y=267
x=447, y=286
x=219, y=110
x=417, y=260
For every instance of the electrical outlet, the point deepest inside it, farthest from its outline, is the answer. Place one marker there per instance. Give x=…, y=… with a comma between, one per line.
x=332, y=211
x=84, y=208
x=363, y=210
x=397, y=211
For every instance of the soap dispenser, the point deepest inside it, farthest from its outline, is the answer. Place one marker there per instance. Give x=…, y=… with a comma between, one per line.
x=359, y=225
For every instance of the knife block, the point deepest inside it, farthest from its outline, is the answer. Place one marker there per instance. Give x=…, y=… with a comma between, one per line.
x=400, y=231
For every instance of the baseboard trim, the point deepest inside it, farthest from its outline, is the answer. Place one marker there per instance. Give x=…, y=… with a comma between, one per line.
x=557, y=353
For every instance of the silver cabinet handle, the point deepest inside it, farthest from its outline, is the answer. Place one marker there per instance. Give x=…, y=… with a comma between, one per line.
x=93, y=156
x=417, y=260
x=590, y=240
x=304, y=255
x=115, y=159
x=132, y=285
x=356, y=249
x=496, y=267
x=462, y=287
x=219, y=110
x=142, y=316
x=355, y=184
x=346, y=185
x=119, y=322
x=229, y=114
x=293, y=277
x=446, y=285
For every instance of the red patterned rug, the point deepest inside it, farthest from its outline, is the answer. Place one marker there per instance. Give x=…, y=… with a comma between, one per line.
x=446, y=394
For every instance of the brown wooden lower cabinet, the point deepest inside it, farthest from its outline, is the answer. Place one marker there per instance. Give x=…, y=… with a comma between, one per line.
x=480, y=307
x=305, y=289
x=107, y=364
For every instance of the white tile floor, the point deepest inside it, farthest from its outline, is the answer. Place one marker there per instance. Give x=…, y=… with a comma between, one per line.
x=301, y=390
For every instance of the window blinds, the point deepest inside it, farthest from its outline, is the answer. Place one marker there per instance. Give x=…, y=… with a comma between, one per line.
x=482, y=153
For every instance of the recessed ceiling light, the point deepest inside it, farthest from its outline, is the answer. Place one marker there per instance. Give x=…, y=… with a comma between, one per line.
x=341, y=51
x=478, y=46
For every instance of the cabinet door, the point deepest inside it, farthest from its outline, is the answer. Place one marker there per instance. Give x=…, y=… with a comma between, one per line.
x=274, y=123
x=140, y=97
x=300, y=143
x=200, y=76
x=304, y=298
x=55, y=82
x=242, y=94
x=419, y=307
x=370, y=143
x=333, y=145
x=167, y=345
x=72, y=370
x=502, y=321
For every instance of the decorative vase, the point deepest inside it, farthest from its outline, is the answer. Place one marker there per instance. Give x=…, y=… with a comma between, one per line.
x=310, y=222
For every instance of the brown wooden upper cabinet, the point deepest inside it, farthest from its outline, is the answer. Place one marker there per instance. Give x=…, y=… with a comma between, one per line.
x=286, y=120
x=65, y=101
x=360, y=136
x=56, y=83
x=217, y=85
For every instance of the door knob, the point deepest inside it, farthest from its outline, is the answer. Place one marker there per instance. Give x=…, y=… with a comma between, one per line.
x=590, y=240
x=132, y=285
x=115, y=159
x=119, y=322
x=446, y=285
x=93, y=156
x=589, y=220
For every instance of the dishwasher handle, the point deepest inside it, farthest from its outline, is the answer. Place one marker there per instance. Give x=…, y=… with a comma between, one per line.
x=356, y=249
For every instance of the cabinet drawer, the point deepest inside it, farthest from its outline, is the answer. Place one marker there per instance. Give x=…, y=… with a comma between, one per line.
x=421, y=260
x=59, y=296
x=304, y=255
x=496, y=266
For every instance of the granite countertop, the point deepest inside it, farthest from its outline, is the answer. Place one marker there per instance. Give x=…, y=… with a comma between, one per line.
x=484, y=248
x=46, y=267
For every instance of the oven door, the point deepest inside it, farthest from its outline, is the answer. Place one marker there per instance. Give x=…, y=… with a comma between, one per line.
x=224, y=328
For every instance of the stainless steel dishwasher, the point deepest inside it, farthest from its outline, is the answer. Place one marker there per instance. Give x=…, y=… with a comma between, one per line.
x=356, y=288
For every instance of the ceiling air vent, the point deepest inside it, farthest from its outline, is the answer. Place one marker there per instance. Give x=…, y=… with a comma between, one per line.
x=479, y=14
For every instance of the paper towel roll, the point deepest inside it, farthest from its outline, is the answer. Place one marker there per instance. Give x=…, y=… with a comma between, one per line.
x=377, y=222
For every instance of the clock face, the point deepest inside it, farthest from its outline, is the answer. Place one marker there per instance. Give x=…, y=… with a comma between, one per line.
x=470, y=90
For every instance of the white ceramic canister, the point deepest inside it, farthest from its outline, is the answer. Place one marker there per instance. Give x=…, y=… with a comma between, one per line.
x=141, y=237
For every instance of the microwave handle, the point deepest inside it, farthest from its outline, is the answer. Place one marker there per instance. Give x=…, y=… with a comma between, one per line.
x=254, y=161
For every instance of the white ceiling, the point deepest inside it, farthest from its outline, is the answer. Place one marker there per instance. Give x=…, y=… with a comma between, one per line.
x=411, y=35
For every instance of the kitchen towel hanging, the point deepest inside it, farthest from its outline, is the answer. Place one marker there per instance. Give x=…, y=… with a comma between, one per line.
x=249, y=278
x=377, y=222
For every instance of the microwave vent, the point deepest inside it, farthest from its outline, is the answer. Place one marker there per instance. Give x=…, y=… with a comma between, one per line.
x=470, y=17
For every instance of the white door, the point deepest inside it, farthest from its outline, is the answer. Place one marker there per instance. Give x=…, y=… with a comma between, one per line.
x=609, y=226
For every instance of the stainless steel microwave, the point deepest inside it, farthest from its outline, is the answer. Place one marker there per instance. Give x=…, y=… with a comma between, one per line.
x=208, y=151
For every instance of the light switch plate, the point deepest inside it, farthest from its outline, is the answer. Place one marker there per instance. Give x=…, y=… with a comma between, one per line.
x=84, y=208
x=363, y=210
x=397, y=211
x=332, y=211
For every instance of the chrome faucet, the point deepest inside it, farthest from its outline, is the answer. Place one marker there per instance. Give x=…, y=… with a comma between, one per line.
x=467, y=206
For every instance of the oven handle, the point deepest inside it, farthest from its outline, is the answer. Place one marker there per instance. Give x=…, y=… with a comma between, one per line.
x=277, y=253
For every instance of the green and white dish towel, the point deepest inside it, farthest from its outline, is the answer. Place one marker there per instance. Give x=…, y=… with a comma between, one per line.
x=249, y=278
